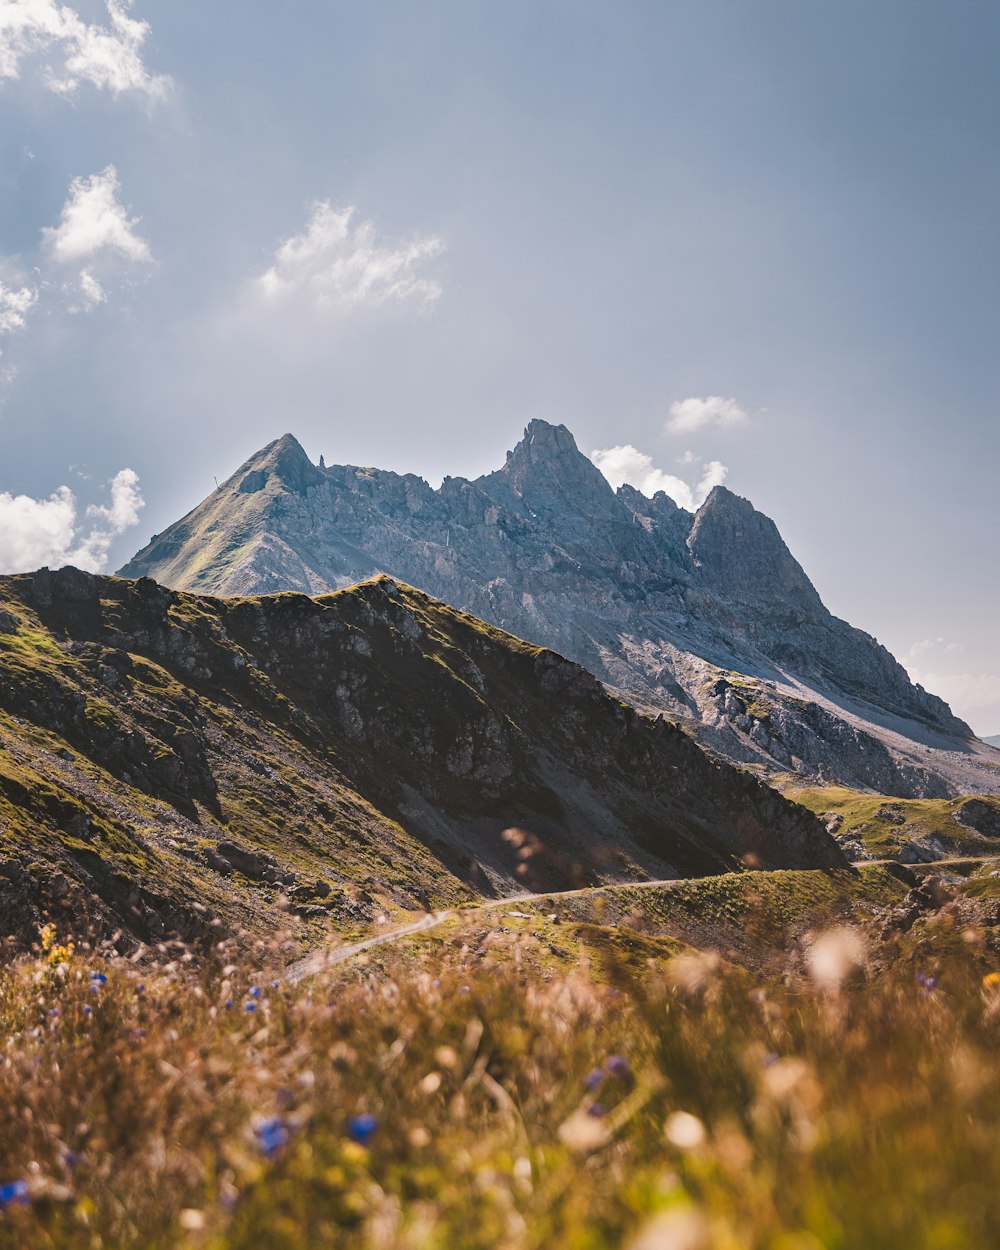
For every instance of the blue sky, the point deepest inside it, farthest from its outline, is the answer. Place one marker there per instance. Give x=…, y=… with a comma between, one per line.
x=587, y=212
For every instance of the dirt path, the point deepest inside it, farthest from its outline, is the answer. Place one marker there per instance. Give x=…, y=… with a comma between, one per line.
x=312, y=964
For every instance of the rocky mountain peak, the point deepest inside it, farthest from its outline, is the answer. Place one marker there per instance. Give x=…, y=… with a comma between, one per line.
x=284, y=461
x=744, y=556
x=547, y=471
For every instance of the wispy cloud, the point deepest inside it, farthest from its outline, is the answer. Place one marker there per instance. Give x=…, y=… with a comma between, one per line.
x=626, y=463
x=338, y=266
x=71, y=51
x=95, y=232
x=35, y=532
x=15, y=304
x=696, y=413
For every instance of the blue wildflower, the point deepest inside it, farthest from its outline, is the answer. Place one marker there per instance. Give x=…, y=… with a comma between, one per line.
x=275, y=985
x=598, y=1110
x=88, y=1010
x=250, y=1007
x=255, y=991
x=228, y=1002
x=272, y=1136
x=594, y=1079
x=99, y=978
x=361, y=1128
x=15, y=1193
x=617, y=1065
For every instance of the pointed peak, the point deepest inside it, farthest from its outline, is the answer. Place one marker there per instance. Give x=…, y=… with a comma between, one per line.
x=721, y=499
x=285, y=460
x=743, y=553
x=546, y=469
x=544, y=438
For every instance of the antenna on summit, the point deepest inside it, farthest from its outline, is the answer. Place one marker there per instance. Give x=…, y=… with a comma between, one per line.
x=217, y=486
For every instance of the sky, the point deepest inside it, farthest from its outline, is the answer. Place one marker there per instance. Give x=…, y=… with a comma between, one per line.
x=721, y=241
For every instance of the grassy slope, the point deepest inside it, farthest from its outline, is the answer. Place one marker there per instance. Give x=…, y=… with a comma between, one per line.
x=883, y=825
x=529, y=1085
x=374, y=740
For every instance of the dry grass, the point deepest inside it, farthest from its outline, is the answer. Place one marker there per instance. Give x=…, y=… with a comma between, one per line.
x=416, y=1102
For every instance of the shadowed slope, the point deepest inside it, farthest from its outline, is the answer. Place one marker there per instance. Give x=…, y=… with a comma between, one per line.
x=172, y=749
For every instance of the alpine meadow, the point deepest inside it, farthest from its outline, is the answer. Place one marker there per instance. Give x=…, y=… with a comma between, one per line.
x=539, y=786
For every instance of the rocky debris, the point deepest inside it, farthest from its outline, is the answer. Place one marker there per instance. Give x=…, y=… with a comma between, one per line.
x=664, y=606
x=980, y=815
x=922, y=851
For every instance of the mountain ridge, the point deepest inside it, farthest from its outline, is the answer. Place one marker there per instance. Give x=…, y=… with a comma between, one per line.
x=174, y=756
x=706, y=617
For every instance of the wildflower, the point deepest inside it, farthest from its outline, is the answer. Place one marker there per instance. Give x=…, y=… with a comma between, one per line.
x=598, y=1110
x=250, y=1007
x=618, y=1065
x=54, y=1012
x=228, y=1002
x=255, y=991
x=991, y=981
x=361, y=1128
x=272, y=1136
x=683, y=1130
x=275, y=985
x=97, y=979
x=834, y=955
x=88, y=1010
x=928, y=982
x=15, y=1193
x=594, y=1079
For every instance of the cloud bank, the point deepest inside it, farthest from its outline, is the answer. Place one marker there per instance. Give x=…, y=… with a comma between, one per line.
x=694, y=413
x=337, y=267
x=626, y=464
x=36, y=532
x=72, y=51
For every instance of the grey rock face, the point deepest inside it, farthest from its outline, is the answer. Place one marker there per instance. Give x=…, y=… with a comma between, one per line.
x=708, y=618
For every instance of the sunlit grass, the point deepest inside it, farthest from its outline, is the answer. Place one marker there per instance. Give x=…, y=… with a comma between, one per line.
x=449, y=1100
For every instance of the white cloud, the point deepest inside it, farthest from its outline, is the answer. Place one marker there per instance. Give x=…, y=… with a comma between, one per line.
x=74, y=51
x=626, y=463
x=94, y=222
x=338, y=267
x=34, y=532
x=91, y=290
x=694, y=413
x=15, y=304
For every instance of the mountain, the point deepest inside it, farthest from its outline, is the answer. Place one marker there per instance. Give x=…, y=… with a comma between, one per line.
x=993, y=740
x=169, y=758
x=707, y=618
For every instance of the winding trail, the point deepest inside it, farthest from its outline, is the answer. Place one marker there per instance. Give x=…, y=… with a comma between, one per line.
x=312, y=964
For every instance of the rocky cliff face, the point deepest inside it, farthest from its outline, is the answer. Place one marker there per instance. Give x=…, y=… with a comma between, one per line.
x=708, y=618
x=167, y=758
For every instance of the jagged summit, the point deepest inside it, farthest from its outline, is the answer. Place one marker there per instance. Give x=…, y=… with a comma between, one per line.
x=708, y=617
x=744, y=556
x=284, y=460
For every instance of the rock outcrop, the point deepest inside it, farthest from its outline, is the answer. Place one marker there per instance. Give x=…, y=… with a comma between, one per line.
x=708, y=618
